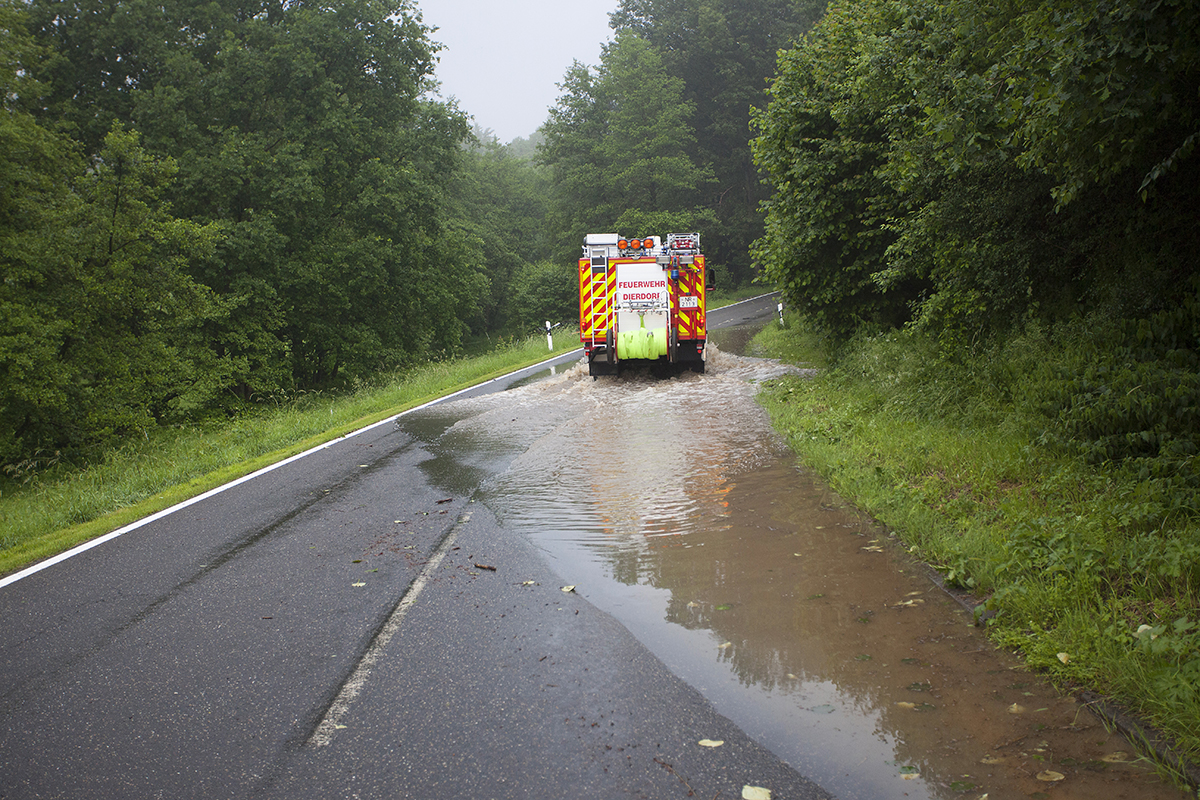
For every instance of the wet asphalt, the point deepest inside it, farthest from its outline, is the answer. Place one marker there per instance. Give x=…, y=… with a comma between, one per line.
x=343, y=627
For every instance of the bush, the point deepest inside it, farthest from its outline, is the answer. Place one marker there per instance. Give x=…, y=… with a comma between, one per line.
x=545, y=290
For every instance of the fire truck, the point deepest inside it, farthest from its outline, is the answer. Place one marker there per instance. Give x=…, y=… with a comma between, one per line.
x=642, y=303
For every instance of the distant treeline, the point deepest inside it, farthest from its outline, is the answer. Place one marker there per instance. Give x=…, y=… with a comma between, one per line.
x=209, y=205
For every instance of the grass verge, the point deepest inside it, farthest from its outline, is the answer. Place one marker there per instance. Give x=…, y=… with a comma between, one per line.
x=63, y=507
x=1088, y=566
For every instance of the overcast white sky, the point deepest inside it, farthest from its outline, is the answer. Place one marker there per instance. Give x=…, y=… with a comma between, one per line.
x=503, y=59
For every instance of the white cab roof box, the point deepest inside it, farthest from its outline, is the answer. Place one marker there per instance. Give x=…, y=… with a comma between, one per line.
x=601, y=239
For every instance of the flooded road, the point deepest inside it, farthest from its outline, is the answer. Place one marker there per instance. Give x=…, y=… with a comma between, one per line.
x=673, y=506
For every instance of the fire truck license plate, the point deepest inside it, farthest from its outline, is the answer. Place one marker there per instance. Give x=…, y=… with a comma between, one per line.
x=689, y=301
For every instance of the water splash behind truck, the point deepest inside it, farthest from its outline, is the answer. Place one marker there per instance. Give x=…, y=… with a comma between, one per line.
x=642, y=302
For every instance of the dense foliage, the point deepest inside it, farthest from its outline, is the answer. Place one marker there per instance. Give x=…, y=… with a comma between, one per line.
x=988, y=211
x=963, y=166
x=621, y=148
x=980, y=172
x=657, y=136
x=723, y=52
x=209, y=204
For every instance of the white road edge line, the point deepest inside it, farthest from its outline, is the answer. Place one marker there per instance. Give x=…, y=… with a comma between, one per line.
x=88, y=545
x=352, y=688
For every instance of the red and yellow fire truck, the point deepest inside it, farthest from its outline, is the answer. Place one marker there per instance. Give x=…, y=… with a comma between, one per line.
x=642, y=302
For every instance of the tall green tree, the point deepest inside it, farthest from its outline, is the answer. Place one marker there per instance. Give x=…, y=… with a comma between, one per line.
x=303, y=128
x=620, y=146
x=99, y=331
x=938, y=162
x=501, y=200
x=724, y=52
x=98, y=317
x=823, y=142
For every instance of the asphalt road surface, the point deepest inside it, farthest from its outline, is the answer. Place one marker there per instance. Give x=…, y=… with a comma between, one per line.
x=341, y=627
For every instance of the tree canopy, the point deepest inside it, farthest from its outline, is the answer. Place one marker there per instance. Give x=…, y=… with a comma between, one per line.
x=205, y=205
x=209, y=202
x=962, y=166
x=620, y=147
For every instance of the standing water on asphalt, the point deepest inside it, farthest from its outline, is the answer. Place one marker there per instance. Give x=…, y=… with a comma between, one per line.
x=674, y=506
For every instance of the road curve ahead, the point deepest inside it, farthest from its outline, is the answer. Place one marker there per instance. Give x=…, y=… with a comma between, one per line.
x=348, y=625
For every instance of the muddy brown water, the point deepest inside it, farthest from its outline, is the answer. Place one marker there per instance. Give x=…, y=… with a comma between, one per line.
x=674, y=506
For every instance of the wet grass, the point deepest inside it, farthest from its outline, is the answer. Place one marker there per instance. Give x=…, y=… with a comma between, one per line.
x=1089, y=567
x=60, y=507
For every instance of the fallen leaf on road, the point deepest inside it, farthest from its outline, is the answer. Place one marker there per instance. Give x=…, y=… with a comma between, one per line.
x=447, y=500
x=711, y=742
x=1016, y=708
x=723, y=645
x=570, y=588
x=1050, y=776
x=485, y=566
x=1119, y=757
x=360, y=583
x=991, y=760
x=528, y=583
x=755, y=793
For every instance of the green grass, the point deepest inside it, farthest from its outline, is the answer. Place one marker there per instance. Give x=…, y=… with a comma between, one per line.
x=62, y=507
x=963, y=456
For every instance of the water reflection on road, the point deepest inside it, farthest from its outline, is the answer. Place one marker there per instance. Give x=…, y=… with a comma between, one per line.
x=673, y=505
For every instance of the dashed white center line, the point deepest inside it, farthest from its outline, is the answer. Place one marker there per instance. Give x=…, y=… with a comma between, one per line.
x=352, y=688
